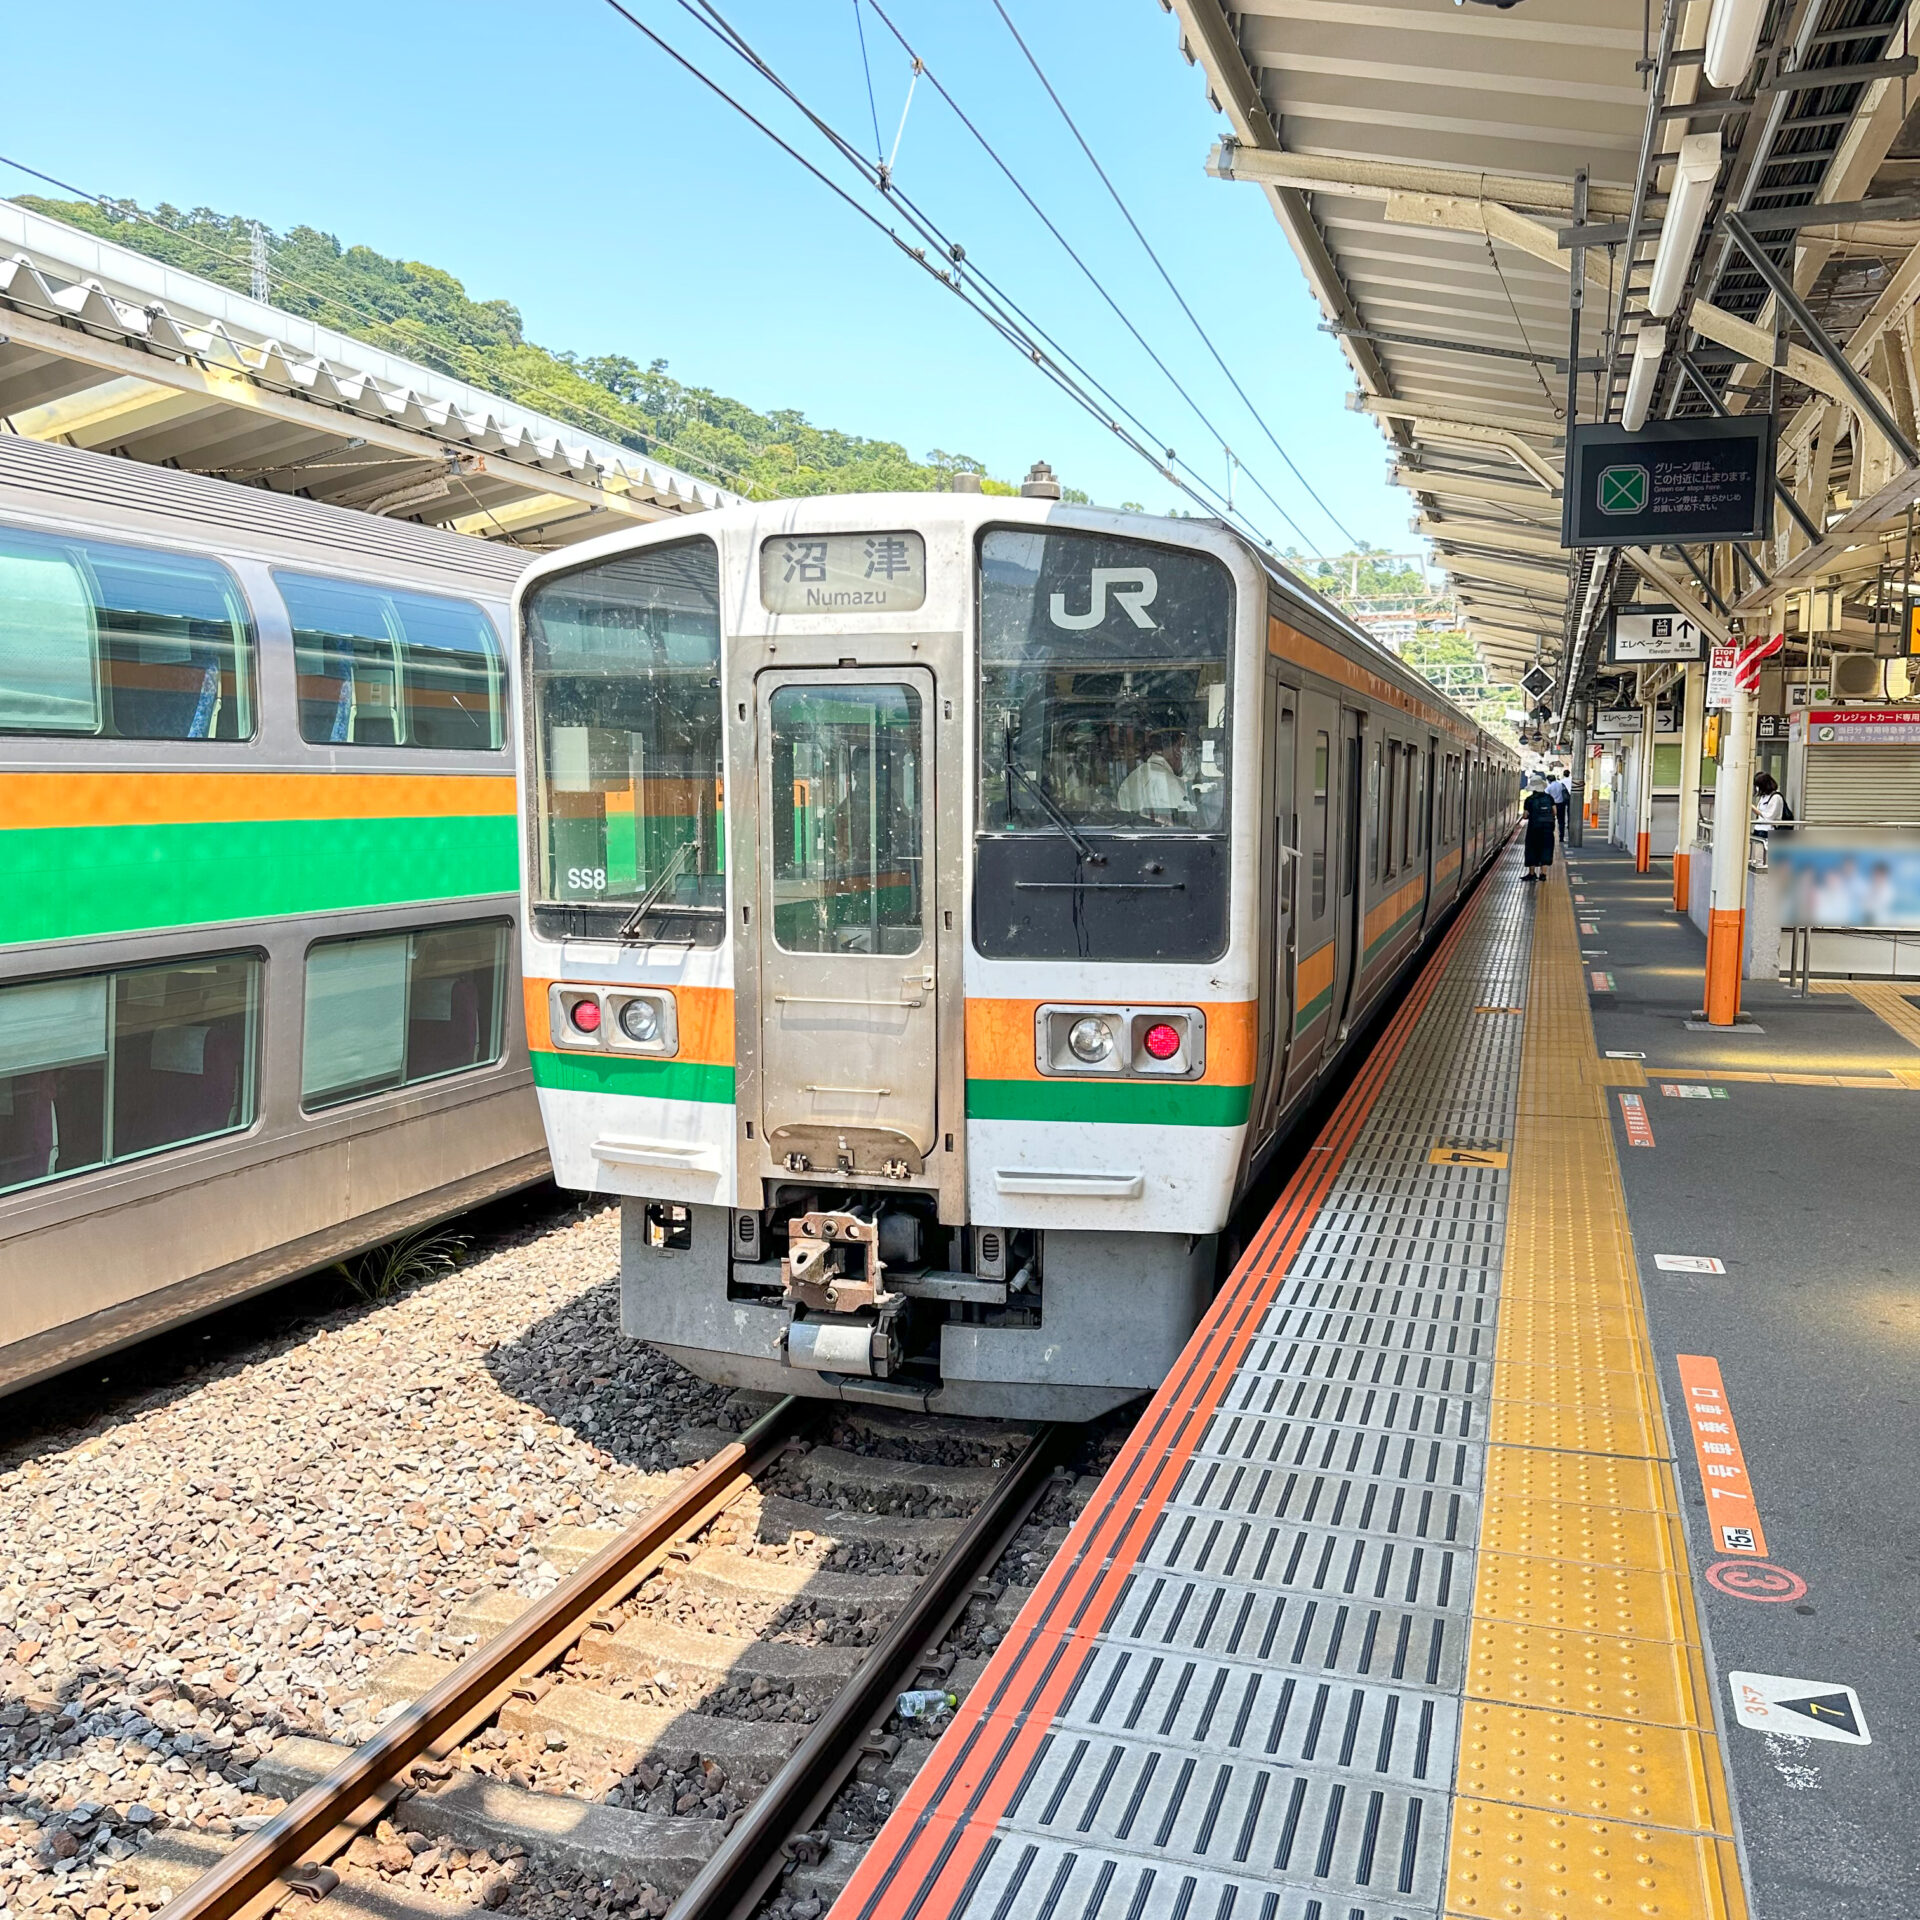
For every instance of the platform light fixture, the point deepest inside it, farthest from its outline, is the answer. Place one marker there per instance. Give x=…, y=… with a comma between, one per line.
x=1733, y=34
x=1697, y=169
x=1649, y=347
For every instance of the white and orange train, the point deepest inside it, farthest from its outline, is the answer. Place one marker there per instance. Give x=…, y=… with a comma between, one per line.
x=939, y=908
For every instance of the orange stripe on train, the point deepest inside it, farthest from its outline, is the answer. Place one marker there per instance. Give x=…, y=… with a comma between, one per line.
x=1001, y=1044
x=141, y=799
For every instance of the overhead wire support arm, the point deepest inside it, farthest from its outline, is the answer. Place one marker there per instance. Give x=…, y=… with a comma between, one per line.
x=1782, y=492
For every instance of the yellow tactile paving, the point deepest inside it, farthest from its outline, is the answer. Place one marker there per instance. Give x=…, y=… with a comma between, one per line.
x=1578, y=1530
x=1590, y=1780
x=1661, y=1681
x=1585, y=1479
x=1583, y=1764
x=1525, y=1864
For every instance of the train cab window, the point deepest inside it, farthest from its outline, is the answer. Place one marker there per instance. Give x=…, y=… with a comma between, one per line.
x=1105, y=735
x=121, y=643
x=625, y=746
x=380, y=668
x=390, y=1010
x=1317, y=823
x=103, y=1067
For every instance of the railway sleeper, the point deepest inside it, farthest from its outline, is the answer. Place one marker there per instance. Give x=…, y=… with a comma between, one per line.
x=471, y=1810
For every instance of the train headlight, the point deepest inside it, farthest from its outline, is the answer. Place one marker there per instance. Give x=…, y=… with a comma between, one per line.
x=640, y=1020
x=1091, y=1039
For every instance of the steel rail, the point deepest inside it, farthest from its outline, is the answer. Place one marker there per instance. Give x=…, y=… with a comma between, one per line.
x=750, y=1859
x=253, y=1878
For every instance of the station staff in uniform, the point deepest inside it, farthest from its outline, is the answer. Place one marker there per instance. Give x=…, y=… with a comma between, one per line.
x=1537, y=808
x=1560, y=793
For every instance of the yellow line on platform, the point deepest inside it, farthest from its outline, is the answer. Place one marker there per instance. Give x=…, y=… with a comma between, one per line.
x=1590, y=1780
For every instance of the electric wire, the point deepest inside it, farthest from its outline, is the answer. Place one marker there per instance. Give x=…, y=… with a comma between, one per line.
x=973, y=287
x=341, y=302
x=1172, y=286
x=1073, y=254
x=866, y=67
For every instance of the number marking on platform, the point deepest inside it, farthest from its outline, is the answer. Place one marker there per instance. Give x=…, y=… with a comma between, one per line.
x=1733, y=1516
x=1633, y=1110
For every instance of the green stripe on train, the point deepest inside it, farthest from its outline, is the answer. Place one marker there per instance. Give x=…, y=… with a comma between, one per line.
x=1314, y=1008
x=1393, y=932
x=1144, y=1103
x=61, y=882
x=624, y=1073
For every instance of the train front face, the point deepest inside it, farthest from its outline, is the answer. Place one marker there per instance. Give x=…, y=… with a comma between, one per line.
x=890, y=935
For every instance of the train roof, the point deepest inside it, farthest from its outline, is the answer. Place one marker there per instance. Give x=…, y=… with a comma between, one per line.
x=124, y=494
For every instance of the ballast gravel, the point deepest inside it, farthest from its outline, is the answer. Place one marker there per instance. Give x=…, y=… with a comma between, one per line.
x=222, y=1554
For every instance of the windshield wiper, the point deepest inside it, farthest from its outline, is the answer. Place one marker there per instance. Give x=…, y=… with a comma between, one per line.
x=1034, y=785
x=668, y=875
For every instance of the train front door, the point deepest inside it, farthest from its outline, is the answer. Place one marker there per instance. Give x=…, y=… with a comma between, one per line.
x=848, y=1001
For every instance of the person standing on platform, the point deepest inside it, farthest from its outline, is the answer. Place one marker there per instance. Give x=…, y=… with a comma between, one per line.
x=1560, y=793
x=1769, y=809
x=1538, y=811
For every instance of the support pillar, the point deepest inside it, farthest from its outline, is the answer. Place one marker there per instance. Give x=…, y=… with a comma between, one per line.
x=1732, y=815
x=1577, y=778
x=1643, y=788
x=1693, y=724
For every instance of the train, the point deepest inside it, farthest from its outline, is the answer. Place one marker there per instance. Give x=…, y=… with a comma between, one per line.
x=940, y=907
x=259, y=894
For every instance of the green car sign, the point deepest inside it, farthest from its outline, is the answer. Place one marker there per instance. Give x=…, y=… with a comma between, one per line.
x=1623, y=490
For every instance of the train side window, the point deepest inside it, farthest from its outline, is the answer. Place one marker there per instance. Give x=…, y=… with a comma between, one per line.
x=380, y=668
x=121, y=643
x=389, y=1010
x=104, y=1067
x=1317, y=829
x=1377, y=776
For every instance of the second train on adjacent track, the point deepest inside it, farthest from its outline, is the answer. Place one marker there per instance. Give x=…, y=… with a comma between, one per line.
x=940, y=907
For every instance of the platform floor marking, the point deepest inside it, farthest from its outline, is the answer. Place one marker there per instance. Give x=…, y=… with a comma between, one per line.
x=1196, y=1570
x=1585, y=1637
x=1633, y=1110
x=1885, y=999
x=1733, y=1514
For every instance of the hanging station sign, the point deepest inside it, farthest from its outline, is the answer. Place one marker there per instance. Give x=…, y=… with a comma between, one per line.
x=1643, y=635
x=1623, y=723
x=1671, y=480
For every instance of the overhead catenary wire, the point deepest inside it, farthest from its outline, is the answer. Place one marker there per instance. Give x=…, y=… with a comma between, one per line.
x=1172, y=286
x=359, y=310
x=972, y=286
x=1092, y=278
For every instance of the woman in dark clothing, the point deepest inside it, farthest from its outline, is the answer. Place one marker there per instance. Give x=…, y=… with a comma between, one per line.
x=1537, y=808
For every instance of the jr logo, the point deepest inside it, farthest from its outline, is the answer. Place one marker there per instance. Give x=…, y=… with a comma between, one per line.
x=1133, y=590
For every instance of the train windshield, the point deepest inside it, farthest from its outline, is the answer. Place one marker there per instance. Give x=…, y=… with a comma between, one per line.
x=623, y=666
x=1103, y=685
x=1105, y=673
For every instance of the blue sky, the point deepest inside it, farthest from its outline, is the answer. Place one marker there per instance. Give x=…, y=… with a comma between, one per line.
x=549, y=155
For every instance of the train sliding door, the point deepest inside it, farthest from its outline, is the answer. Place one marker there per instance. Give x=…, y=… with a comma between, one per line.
x=1280, y=886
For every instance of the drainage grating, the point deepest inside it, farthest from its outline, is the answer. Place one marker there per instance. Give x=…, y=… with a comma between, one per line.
x=1268, y=1724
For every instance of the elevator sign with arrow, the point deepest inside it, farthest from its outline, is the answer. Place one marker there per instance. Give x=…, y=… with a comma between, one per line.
x=1644, y=634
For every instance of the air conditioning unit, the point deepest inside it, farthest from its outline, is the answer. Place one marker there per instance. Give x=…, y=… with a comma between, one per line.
x=1856, y=676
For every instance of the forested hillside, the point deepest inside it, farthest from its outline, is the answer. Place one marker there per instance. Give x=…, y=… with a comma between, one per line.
x=424, y=313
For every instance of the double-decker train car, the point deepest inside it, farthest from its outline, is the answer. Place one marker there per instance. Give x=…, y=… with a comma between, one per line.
x=258, y=893
x=939, y=908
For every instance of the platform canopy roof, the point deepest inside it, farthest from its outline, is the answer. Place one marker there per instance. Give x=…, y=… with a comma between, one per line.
x=1421, y=158
x=106, y=348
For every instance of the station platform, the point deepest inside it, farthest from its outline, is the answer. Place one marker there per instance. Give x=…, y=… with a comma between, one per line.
x=1403, y=1597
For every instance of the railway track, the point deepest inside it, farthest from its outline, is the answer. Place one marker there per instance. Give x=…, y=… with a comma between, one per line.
x=790, y=1711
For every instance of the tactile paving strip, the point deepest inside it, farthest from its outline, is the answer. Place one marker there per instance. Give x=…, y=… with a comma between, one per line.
x=1590, y=1781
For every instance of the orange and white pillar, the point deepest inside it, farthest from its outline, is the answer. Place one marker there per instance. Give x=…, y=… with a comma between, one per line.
x=1693, y=726
x=1643, y=787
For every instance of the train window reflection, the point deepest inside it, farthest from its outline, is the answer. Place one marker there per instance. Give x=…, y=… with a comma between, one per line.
x=105, y=1067
x=1104, y=686
x=625, y=686
x=387, y=669
x=121, y=643
x=847, y=795
x=390, y=1010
